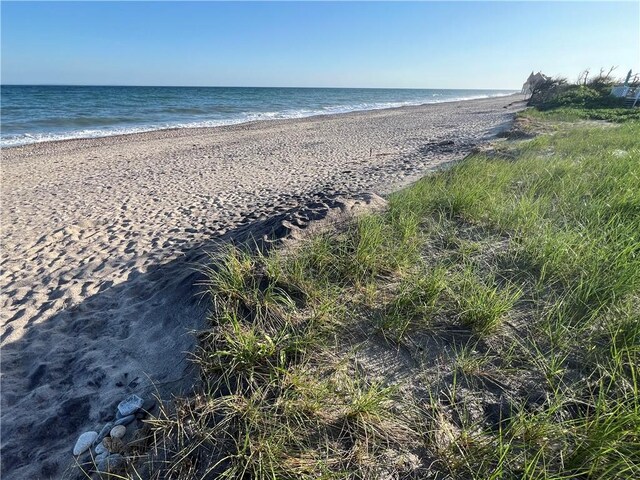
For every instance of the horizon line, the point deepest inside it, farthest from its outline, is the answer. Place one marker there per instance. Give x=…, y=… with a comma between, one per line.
x=236, y=86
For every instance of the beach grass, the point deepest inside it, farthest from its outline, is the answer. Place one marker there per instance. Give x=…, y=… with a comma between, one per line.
x=486, y=326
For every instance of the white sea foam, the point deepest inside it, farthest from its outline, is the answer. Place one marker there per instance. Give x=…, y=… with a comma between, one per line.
x=244, y=117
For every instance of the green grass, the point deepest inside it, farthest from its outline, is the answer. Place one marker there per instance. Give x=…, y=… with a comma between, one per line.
x=571, y=114
x=486, y=326
x=482, y=304
x=582, y=102
x=415, y=304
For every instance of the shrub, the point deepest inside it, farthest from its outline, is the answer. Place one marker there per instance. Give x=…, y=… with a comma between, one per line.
x=586, y=93
x=580, y=96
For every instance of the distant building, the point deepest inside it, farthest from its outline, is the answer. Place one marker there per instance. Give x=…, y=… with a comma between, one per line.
x=631, y=94
x=620, y=90
x=532, y=81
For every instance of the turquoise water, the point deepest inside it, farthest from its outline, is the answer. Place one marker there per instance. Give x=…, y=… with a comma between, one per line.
x=40, y=113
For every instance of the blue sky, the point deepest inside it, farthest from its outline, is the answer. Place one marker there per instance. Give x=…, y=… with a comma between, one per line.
x=421, y=45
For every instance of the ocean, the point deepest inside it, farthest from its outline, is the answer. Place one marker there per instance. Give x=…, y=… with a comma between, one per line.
x=30, y=114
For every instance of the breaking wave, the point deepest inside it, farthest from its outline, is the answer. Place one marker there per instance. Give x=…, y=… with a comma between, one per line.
x=109, y=119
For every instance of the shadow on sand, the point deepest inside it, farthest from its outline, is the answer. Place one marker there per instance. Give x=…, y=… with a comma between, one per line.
x=66, y=375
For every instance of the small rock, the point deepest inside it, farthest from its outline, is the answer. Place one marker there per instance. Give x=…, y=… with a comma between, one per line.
x=100, y=449
x=118, y=431
x=101, y=457
x=130, y=405
x=112, y=464
x=125, y=420
x=113, y=445
x=103, y=433
x=149, y=405
x=84, y=442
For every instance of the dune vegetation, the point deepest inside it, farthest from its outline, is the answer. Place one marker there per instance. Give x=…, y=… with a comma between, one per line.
x=485, y=326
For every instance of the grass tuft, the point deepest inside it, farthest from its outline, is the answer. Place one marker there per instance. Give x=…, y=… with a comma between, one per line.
x=482, y=305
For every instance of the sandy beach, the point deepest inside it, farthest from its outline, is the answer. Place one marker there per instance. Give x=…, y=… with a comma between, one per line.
x=101, y=239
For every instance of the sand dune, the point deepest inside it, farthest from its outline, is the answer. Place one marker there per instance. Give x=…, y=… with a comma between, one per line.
x=100, y=239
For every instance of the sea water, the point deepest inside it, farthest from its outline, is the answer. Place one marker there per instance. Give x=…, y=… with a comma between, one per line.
x=31, y=113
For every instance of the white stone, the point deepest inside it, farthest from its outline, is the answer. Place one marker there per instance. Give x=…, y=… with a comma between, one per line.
x=118, y=431
x=104, y=432
x=84, y=442
x=130, y=405
x=100, y=449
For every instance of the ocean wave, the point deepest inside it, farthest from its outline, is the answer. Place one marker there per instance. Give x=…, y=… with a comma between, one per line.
x=13, y=140
x=71, y=122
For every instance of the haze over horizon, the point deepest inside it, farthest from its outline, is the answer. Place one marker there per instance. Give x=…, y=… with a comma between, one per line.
x=357, y=45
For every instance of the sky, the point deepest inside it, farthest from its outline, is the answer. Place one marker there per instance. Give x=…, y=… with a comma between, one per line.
x=322, y=44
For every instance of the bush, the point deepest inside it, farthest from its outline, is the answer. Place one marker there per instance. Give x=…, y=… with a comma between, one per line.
x=586, y=93
x=580, y=96
x=543, y=92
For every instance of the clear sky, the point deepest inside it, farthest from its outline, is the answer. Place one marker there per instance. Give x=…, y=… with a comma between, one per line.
x=428, y=45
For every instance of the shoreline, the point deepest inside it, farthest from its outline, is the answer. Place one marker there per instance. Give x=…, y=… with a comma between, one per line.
x=101, y=236
x=166, y=130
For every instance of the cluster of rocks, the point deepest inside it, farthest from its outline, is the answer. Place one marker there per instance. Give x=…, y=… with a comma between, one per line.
x=105, y=451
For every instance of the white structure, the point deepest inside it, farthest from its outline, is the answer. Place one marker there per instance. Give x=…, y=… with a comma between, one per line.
x=532, y=81
x=620, y=91
x=630, y=94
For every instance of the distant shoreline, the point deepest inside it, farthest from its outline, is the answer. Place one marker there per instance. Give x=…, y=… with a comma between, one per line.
x=85, y=126
x=166, y=132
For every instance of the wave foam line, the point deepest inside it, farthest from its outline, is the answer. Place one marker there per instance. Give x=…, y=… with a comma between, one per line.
x=26, y=139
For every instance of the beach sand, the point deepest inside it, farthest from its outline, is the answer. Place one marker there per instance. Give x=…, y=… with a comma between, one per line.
x=101, y=239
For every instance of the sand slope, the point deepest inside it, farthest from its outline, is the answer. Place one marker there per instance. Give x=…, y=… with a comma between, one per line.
x=100, y=239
